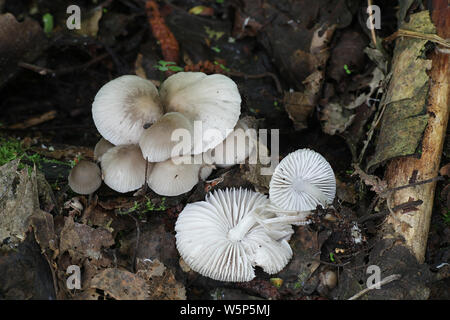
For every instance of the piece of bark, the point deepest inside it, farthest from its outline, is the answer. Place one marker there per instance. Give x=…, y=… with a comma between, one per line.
x=414, y=226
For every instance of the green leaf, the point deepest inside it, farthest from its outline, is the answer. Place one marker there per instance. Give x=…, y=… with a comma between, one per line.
x=47, y=19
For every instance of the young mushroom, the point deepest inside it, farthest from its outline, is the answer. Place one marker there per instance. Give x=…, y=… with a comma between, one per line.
x=100, y=149
x=123, y=168
x=159, y=141
x=123, y=106
x=237, y=147
x=85, y=177
x=212, y=100
x=301, y=181
x=221, y=238
x=178, y=175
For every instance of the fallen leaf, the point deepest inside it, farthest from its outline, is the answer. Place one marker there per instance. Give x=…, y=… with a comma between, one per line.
x=82, y=241
x=19, y=41
x=121, y=284
x=161, y=281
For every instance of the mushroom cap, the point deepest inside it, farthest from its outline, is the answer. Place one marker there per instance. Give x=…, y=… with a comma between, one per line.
x=123, y=168
x=177, y=175
x=156, y=142
x=123, y=106
x=212, y=99
x=101, y=147
x=220, y=238
x=301, y=181
x=85, y=177
x=235, y=148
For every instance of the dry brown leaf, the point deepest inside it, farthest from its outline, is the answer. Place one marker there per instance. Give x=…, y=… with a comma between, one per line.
x=82, y=241
x=121, y=284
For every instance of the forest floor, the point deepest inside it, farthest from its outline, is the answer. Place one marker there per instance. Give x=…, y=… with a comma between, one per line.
x=298, y=66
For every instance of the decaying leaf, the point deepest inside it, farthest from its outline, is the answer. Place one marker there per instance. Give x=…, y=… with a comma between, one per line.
x=161, y=281
x=405, y=117
x=379, y=186
x=82, y=241
x=121, y=284
x=19, y=41
x=345, y=191
x=337, y=116
x=89, y=23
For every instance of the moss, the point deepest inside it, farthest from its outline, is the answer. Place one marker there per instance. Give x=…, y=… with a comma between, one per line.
x=11, y=149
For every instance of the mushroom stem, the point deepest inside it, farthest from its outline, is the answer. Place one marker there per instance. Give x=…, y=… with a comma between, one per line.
x=241, y=229
x=301, y=185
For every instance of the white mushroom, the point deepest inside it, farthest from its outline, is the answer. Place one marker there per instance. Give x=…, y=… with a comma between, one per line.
x=122, y=108
x=301, y=181
x=237, y=147
x=85, y=177
x=159, y=142
x=213, y=100
x=100, y=149
x=221, y=238
x=178, y=175
x=123, y=168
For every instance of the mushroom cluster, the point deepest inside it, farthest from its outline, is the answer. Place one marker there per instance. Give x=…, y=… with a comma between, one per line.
x=234, y=230
x=167, y=138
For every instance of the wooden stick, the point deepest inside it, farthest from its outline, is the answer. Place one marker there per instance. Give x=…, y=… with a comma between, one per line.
x=414, y=226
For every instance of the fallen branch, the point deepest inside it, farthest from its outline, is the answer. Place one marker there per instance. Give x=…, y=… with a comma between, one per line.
x=414, y=228
x=34, y=121
x=386, y=280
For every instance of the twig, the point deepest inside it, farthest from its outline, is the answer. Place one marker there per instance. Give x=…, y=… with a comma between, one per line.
x=372, y=27
x=386, y=280
x=418, y=35
x=138, y=235
x=46, y=71
x=438, y=178
x=258, y=76
x=31, y=122
x=383, y=213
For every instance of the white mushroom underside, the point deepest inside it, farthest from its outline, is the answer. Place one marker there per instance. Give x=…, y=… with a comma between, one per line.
x=204, y=241
x=123, y=106
x=214, y=100
x=301, y=181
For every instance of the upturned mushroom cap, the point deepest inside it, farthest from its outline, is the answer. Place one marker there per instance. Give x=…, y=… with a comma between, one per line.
x=301, y=181
x=123, y=106
x=221, y=239
x=157, y=142
x=123, y=168
x=235, y=148
x=101, y=147
x=212, y=99
x=85, y=177
x=178, y=175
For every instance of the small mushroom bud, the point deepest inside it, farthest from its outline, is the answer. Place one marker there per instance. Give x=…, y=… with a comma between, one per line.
x=328, y=279
x=85, y=178
x=100, y=149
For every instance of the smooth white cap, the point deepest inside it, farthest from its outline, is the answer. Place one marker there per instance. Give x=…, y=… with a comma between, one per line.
x=212, y=99
x=85, y=177
x=235, y=148
x=301, y=181
x=220, y=237
x=123, y=168
x=158, y=143
x=178, y=175
x=123, y=106
x=101, y=147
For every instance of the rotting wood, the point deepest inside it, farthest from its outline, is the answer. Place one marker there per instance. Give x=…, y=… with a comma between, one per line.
x=414, y=226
